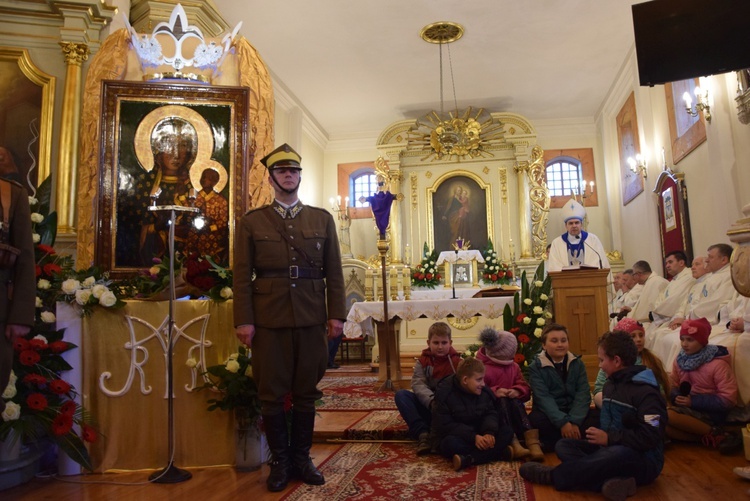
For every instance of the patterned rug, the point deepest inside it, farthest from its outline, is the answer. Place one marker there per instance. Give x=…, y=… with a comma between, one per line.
x=354, y=394
x=363, y=471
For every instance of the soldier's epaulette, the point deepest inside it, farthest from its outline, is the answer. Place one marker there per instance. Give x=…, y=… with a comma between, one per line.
x=257, y=208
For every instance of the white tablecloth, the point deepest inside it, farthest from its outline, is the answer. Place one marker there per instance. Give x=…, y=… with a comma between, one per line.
x=463, y=255
x=361, y=315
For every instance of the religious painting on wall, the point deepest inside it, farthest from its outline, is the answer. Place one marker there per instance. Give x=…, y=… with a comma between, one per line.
x=630, y=146
x=674, y=217
x=26, y=97
x=170, y=145
x=686, y=132
x=459, y=204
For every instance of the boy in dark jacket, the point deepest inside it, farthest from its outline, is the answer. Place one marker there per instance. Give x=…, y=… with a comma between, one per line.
x=628, y=449
x=466, y=421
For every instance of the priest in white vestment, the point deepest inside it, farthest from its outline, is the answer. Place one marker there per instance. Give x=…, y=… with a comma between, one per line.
x=716, y=292
x=576, y=247
x=653, y=285
x=672, y=297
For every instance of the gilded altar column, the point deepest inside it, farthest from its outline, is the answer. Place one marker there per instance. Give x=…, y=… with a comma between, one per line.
x=65, y=193
x=524, y=208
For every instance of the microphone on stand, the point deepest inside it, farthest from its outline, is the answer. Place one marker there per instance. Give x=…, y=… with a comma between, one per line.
x=595, y=252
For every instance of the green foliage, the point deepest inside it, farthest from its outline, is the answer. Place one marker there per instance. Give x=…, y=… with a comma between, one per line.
x=530, y=312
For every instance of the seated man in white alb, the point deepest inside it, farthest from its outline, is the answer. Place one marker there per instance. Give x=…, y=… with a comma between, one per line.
x=716, y=292
x=653, y=285
x=733, y=331
x=699, y=272
x=676, y=291
x=576, y=247
x=628, y=300
x=616, y=302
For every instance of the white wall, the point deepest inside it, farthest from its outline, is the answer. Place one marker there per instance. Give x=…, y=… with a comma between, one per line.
x=716, y=172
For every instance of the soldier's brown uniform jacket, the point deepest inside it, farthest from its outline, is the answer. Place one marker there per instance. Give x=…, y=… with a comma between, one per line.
x=274, y=300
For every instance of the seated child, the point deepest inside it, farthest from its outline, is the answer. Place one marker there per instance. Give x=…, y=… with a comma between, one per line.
x=562, y=397
x=504, y=378
x=628, y=448
x=437, y=361
x=466, y=421
x=645, y=357
x=704, y=389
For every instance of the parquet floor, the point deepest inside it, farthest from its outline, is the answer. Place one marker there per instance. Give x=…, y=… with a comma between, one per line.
x=691, y=472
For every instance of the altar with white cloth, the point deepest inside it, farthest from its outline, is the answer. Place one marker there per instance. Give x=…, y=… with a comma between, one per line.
x=120, y=371
x=404, y=315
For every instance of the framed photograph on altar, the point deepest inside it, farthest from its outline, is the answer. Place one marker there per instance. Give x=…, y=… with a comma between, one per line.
x=686, y=132
x=464, y=273
x=459, y=205
x=170, y=145
x=674, y=217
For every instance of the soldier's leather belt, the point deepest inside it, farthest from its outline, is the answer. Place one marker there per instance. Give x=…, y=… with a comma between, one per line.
x=293, y=272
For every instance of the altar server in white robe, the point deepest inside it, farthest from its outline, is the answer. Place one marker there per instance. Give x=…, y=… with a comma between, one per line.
x=653, y=285
x=733, y=331
x=575, y=246
x=716, y=292
x=629, y=299
x=674, y=294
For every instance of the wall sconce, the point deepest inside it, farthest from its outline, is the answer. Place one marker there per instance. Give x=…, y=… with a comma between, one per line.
x=701, y=104
x=639, y=165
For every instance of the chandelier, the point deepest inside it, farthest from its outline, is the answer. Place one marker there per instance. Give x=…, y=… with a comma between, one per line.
x=455, y=134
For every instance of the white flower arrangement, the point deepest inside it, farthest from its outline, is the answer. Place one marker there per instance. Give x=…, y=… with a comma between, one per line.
x=48, y=317
x=226, y=293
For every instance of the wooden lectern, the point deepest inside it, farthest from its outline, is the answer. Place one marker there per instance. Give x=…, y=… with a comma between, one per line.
x=580, y=304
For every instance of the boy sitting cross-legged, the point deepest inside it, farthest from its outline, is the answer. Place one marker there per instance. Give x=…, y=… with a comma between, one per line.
x=438, y=360
x=628, y=449
x=466, y=420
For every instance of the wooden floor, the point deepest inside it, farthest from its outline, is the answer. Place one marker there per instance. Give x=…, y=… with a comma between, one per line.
x=690, y=472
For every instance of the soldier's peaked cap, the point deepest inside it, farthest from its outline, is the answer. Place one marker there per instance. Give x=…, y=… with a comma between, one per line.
x=282, y=157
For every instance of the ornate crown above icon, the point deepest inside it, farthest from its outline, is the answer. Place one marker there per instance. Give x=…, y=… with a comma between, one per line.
x=461, y=244
x=176, y=50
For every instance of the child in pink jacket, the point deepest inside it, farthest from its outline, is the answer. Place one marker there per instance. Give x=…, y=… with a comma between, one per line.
x=704, y=389
x=504, y=378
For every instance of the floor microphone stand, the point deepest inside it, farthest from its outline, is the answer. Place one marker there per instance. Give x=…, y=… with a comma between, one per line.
x=171, y=474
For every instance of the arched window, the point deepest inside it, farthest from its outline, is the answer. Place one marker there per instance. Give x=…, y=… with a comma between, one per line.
x=567, y=169
x=564, y=176
x=362, y=185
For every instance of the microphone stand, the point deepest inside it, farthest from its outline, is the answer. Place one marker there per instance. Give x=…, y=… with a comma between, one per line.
x=453, y=279
x=171, y=474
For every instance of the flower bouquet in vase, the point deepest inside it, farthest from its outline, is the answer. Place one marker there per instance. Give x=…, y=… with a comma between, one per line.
x=234, y=382
x=495, y=271
x=426, y=274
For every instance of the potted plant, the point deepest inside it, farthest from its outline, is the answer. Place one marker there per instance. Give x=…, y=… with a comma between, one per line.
x=234, y=382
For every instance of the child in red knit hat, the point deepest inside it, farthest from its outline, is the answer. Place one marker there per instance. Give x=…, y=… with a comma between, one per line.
x=704, y=389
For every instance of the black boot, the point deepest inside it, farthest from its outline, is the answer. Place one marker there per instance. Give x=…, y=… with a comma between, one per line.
x=302, y=435
x=278, y=443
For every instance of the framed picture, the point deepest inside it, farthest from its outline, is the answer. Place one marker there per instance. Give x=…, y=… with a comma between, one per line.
x=674, y=217
x=463, y=273
x=630, y=146
x=26, y=109
x=460, y=206
x=686, y=132
x=164, y=145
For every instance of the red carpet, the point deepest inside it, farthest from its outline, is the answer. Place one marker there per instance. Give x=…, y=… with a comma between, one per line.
x=365, y=471
x=354, y=394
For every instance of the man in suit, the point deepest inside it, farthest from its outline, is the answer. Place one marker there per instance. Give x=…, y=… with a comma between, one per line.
x=283, y=315
x=17, y=283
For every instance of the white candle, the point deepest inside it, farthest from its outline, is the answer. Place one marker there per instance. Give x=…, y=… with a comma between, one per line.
x=688, y=101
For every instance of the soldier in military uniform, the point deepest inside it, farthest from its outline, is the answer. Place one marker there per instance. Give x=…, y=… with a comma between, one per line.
x=17, y=284
x=283, y=315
